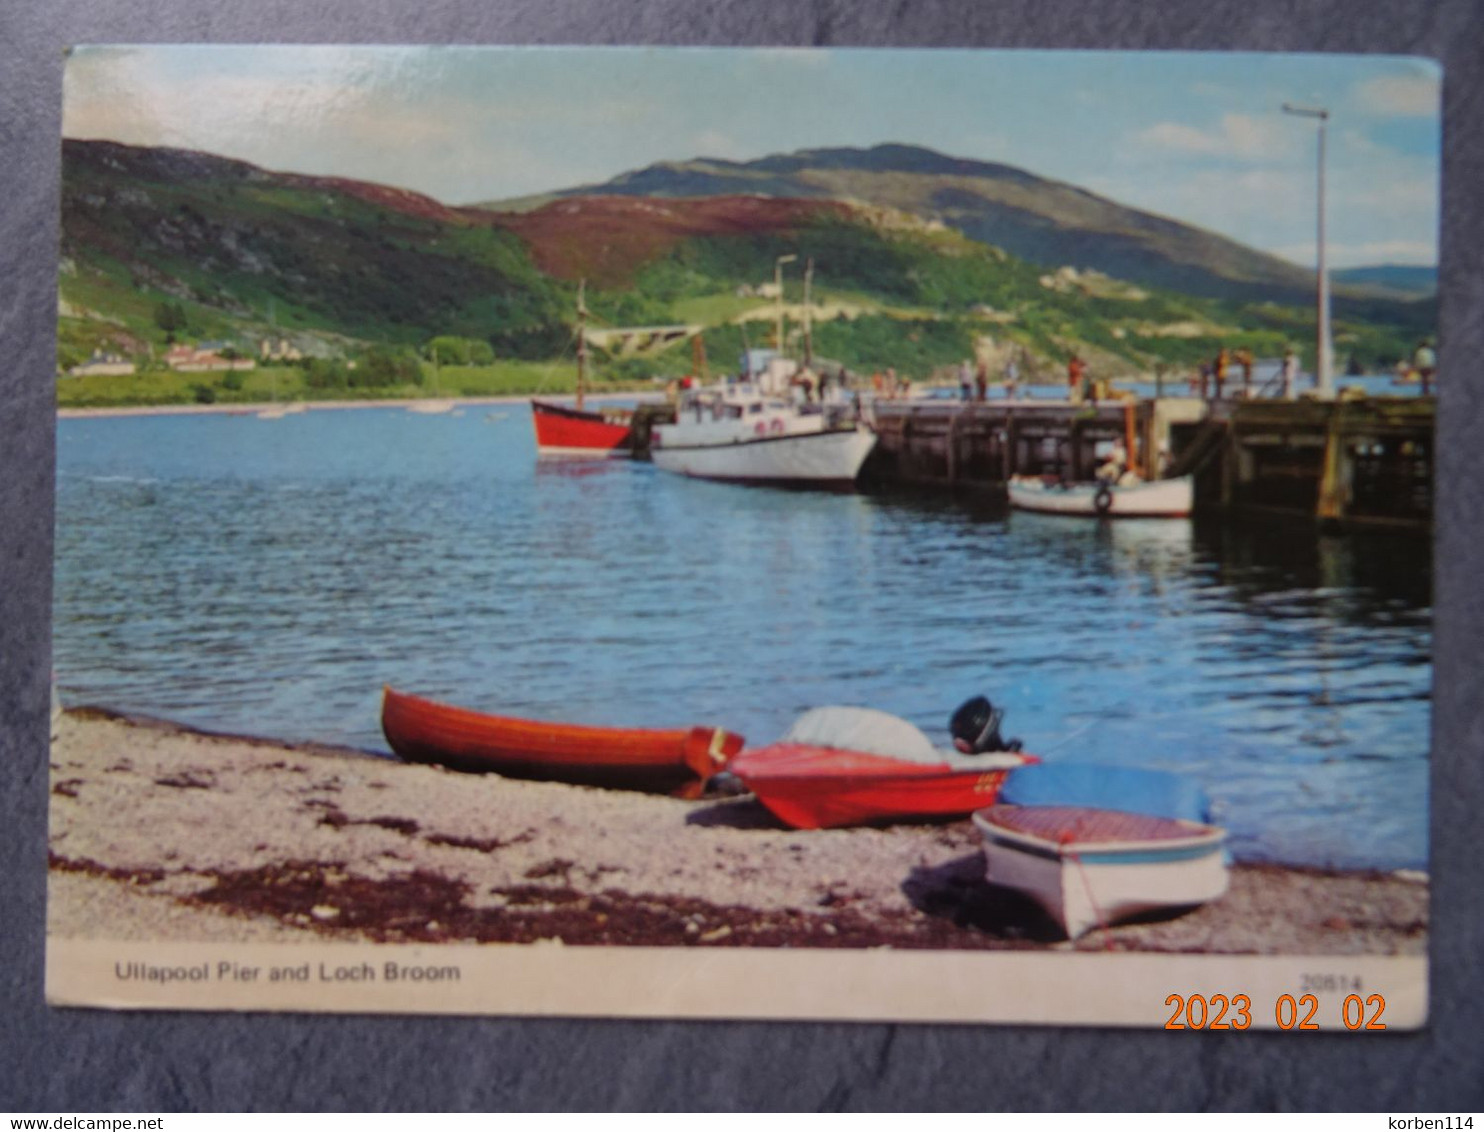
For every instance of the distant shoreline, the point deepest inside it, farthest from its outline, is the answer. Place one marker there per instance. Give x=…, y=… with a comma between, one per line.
x=252, y=409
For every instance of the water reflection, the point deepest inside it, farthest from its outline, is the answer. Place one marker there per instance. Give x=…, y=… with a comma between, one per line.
x=237, y=576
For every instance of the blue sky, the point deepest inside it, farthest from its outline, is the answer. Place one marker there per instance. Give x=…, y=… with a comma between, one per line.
x=1197, y=137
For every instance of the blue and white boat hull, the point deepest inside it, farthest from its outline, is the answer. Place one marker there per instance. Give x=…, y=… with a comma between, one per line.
x=1089, y=868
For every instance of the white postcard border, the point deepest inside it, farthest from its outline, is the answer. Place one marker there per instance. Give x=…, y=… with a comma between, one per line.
x=1113, y=989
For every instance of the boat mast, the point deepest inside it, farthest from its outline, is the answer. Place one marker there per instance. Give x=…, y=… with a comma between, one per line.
x=273, y=345
x=1129, y=441
x=808, y=322
x=778, y=287
x=698, y=359
x=581, y=342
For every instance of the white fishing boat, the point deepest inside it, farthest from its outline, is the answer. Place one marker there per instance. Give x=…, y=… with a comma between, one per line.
x=1091, y=867
x=431, y=406
x=757, y=430
x=279, y=409
x=1144, y=499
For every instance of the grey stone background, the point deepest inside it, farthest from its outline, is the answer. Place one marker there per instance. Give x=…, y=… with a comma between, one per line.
x=59, y=1060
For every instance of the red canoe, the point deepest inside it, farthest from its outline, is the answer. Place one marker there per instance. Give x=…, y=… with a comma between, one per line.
x=812, y=787
x=677, y=761
x=567, y=432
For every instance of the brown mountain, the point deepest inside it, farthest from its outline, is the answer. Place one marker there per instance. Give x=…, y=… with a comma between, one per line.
x=1049, y=223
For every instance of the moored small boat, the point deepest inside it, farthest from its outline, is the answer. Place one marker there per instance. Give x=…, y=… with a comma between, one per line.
x=754, y=430
x=819, y=776
x=280, y=409
x=566, y=432
x=431, y=406
x=574, y=431
x=1150, y=499
x=1090, y=867
x=667, y=761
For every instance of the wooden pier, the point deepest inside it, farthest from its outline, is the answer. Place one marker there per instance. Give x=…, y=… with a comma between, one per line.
x=1363, y=461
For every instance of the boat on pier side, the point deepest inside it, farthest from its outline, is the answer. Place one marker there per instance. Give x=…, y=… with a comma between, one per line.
x=1152, y=499
x=575, y=431
x=568, y=432
x=755, y=430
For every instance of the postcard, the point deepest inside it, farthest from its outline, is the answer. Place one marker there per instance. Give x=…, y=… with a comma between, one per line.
x=934, y=535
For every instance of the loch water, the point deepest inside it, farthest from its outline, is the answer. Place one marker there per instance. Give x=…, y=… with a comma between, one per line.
x=269, y=577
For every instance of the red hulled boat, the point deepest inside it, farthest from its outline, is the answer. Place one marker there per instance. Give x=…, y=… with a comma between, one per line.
x=678, y=761
x=811, y=787
x=563, y=431
x=568, y=431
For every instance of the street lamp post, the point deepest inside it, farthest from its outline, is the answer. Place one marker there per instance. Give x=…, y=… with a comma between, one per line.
x=778, y=286
x=1324, y=350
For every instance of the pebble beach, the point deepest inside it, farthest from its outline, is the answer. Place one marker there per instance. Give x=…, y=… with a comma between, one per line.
x=159, y=832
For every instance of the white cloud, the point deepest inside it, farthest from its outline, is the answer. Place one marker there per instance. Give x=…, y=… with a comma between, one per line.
x=1357, y=143
x=1411, y=252
x=1401, y=96
x=716, y=143
x=1186, y=139
x=1243, y=136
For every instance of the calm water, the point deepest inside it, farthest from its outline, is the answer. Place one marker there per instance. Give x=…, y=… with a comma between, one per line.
x=269, y=577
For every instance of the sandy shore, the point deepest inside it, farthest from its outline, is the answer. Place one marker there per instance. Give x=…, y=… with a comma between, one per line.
x=161, y=833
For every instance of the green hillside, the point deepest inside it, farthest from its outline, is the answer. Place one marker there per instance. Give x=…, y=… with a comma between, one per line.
x=918, y=297
x=247, y=252
x=1043, y=221
x=163, y=246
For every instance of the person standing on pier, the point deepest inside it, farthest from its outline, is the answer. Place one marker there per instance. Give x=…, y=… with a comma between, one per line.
x=1076, y=376
x=1244, y=359
x=965, y=380
x=1012, y=379
x=1218, y=370
x=1425, y=362
x=981, y=381
x=1290, y=372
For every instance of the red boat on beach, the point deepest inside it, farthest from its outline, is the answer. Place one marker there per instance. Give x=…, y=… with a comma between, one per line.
x=678, y=761
x=855, y=766
x=811, y=787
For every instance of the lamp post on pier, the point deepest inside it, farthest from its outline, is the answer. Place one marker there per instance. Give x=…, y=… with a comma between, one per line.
x=1324, y=349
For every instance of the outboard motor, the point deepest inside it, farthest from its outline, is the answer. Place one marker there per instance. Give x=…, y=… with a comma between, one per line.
x=975, y=728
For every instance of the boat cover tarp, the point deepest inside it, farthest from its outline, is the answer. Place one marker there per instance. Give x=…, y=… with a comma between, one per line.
x=863, y=729
x=880, y=733
x=1153, y=792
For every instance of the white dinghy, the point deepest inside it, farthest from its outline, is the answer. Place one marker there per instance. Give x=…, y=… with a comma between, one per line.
x=1152, y=499
x=1091, y=868
x=1093, y=845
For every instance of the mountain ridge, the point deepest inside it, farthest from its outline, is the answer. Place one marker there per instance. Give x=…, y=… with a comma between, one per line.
x=156, y=242
x=1047, y=222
